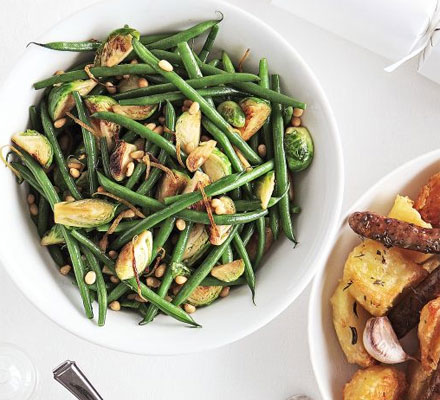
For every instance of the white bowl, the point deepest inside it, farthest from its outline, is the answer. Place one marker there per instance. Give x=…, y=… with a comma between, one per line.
x=329, y=363
x=319, y=190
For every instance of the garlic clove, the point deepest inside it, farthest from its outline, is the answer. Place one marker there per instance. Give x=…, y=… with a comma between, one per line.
x=381, y=342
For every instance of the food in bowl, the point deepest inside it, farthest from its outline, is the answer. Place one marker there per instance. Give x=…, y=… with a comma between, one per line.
x=389, y=288
x=145, y=170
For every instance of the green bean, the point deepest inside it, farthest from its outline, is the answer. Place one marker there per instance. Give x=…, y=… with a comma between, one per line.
x=88, y=45
x=140, y=130
x=167, y=280
x=209, y=43
x=282, y=179
x=189, y=215
x=98, y=72
x=98, y=90
x=199, y=83
x=105, y=157
x=56, y=254
x=274, y=222
x=183, y=36
x=223, y=185
x=228, y=255
x=35, y=119
x=119, y=290
x=27, y=176
x=72, y=246
x=267, y=133
x=193, y=95
x=100, y=285
x=189, y=61
x=228, y=66
x=214, y=62
x=58, y=154
x=249, y=205
x=162, y=304
x=211, y=281
x=135, y=176
x=43, y=216
x=130, y=136
x=248, y=87
x=215, y=91
x=247, y=233
x=89, y=144
x=261, y=232
x=154, y=37
x=148, y=184
x=203, y=270
x=248, y=270
x=162, y=236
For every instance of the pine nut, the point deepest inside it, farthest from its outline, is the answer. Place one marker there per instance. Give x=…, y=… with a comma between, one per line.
x=168, y=298
x=158, y=130
x=113, y=254
x=165, y=65
x=134, y=61
x=126, y=76
x=69, y=198
x=33, y=208
x=204, y=138
x=30, y=198
x=139, y=299
x=180, y=279
x=59, y=123
x=151, y=126
x=216, y=203
x=298, y=112
x=225, y=291
x=114, y=279
x=189, y=308
x=161, y=120
x=130, y=169
x=296, y=121
x=65, y=269
x=160, y=271
x=180, y=224
x=194, y=109
x=262, y=150
x=74, y=172
x=152, y=282
x=115, y=305
x=90, y=278
x=138, y=154
x=142, y=82
x=100, y=189
x=187, y=103
x=59, y=72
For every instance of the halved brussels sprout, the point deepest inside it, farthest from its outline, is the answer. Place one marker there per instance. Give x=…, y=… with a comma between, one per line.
x=53, y=236
x=228, y=272
x=103, y=128
x=199, y=155
x=219, y=235
x=36, y=145
x=298, y=145
x=120, y=158
x=232, y=113
x=143, y=247
x=179, y=269
x=265, y=187
x=128, y=84
x=87, y=213
x=61, y=100
x=257, y=111
x=116, y=47
x=137, y=113
x=217, y=165
x=204, y=295
x=169, y=187
x=188, y=128
x=198, y=242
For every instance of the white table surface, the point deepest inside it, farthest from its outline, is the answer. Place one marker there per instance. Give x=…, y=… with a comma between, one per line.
x=384, y=120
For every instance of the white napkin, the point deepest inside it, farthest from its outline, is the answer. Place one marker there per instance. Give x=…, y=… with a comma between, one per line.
x=395, y=29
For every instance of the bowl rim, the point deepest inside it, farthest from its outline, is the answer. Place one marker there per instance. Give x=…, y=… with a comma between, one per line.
x=339, y=181
x=315, y=300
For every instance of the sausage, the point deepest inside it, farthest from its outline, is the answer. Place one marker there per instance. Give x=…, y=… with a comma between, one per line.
x=392, y=232
x=405, y=315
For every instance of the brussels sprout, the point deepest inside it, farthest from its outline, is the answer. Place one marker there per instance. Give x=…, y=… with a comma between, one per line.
x=128, y=84
x=219, y=235
x=170, y=187
x=61, y=99
x=116, y=47
x=143, y=247
x=53, y=236
x=228, y=272
x=36, y=145
x=217, y=165
x=204, y=295
x=137, y=113
x=188, y=127
x=103, y=128
x=200, y=154
x=198, y=242
x=87, y=213
x=265, y=187
x=232, y=113
x=298, y=145
x=179, y=269
x=120, y=159
x=257, y=111
x=287, y=115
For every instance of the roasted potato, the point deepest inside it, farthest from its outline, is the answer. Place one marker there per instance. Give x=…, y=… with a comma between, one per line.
x=376, y=383
x=377, y=276
x=349, y=321
x=429, y=335
x=403, y=210
x=418, y=380
x=428, y=201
